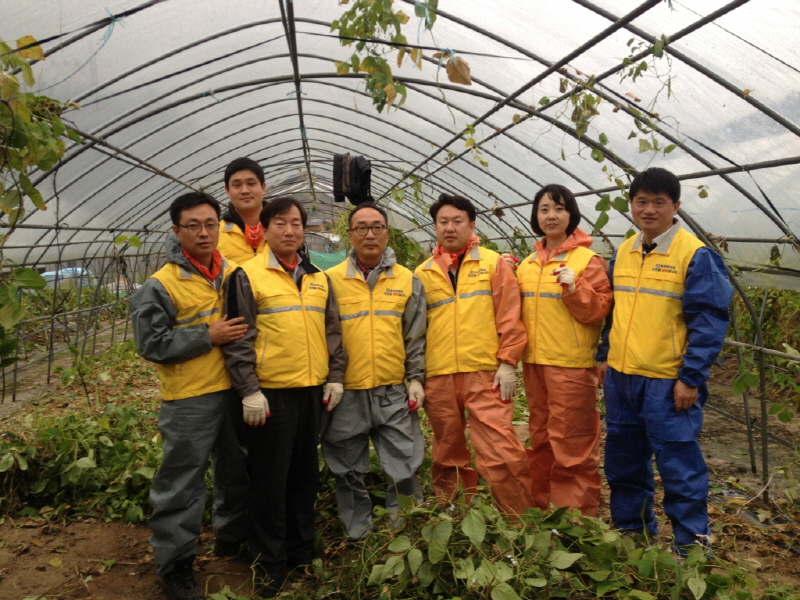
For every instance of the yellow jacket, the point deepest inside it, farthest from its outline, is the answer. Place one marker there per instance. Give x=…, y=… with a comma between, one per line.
x=233, y=245
x=197, y=301
x=555, y=337
x=462, y=336
x=648, y=334
x=372, y=324
x=291, y=347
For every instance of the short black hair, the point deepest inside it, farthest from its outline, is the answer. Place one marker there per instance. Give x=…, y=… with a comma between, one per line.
x=190, y=200
x=371, y=205
x=657, y=181
x=562, y=196
x=459, y=202
x=243, y=164
x=279, y=206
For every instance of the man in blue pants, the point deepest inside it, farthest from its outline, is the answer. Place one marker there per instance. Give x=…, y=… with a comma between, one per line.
x=671, y=296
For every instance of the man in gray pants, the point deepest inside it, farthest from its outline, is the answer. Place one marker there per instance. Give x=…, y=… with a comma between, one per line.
x=178, y=324
x=382, y=311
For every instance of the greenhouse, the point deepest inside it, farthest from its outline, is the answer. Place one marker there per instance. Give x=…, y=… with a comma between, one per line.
x=110, y=111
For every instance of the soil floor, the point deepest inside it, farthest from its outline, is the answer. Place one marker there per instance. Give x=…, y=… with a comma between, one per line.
x=113, y=561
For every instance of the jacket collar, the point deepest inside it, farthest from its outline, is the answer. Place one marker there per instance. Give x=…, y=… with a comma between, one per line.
x=663, y=241
x=386, y=266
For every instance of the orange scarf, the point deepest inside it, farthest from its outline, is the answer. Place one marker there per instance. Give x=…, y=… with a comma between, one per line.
x=253, y=235
x=216, y=265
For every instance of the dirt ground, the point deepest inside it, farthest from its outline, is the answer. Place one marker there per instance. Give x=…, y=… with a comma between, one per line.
x=92, y=559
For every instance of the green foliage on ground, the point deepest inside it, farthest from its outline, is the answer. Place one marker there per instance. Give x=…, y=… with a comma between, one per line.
x=96, y=460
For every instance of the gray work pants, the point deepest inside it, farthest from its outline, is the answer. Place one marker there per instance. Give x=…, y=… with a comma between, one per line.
x=192, y=430
x=380, y=414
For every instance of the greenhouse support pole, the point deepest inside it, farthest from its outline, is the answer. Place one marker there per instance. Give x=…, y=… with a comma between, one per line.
x=760, y=343
x=762, y=381
x=751, y=444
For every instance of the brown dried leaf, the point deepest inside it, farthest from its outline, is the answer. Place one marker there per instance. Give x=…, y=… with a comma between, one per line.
x=746, y=93
x=637, y=99
x=401, y=53
x=391, y=93
x=458, y=71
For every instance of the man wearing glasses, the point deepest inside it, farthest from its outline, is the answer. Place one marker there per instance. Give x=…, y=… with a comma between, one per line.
x=179, y=325
x=382, y=311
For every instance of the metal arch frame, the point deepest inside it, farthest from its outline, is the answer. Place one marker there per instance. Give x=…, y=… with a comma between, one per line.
x=641, y=9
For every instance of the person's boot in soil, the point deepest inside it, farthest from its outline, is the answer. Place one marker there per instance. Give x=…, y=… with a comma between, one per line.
x=180, y=583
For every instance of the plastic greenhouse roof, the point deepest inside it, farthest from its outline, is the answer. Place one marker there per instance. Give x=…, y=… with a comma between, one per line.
x=172, y=90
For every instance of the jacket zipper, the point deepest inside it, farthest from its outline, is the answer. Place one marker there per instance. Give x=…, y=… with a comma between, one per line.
x=630, y=319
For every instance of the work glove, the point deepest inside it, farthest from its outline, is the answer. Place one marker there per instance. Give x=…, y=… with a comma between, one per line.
x=416, y=395
x=506, y=380
x=332, y=395
x=256, y=409
x=512, y=260
x=566, y=277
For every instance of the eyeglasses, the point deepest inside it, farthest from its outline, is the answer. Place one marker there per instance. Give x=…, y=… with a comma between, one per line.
x=363, y=229
x=196, y=227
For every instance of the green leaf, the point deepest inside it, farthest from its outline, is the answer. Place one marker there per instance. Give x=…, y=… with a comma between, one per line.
x=22, y=462
x=442, y=531
x=414, y=557
x=698, y=586
x=28, y=278
x=504, y=591
x=604, y=203
x=437, y=550
x=602, y=219
x=463, y=568
x=537, y=582
x=598, y=155
x=394, y=567
x=426, y=573
x=6, y=462
x=630, y=233
x=135, y=241
x=644, y=145
x=85, y=463
x=146, y=472
x=703, y=193
x=746, y=380
x=669, y=148
x=640, y=595
x=603, y=139
x=11, y=311
x=400, y=544
x=120, y=239
x=376, y=575
x=474, y=527
x=563, y=560
x=620, y=204
x=775, y=409
x=598, y=575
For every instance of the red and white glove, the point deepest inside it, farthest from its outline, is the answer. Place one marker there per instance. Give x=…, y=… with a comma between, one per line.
x=566, y=277
x=512, y=260
x=256, y=409
x=332, y=395
x=416, y=395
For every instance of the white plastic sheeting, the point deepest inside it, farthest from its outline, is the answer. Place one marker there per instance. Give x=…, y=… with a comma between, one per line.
x=185, y=86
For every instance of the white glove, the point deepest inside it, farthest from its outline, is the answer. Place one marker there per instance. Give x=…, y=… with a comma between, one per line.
x=256, y=409
x=566, y=277
x=511, y=260
x=506, y=380
x=332, y=394
x=416, y=395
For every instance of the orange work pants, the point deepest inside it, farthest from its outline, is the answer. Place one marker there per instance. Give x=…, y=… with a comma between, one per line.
x=565, y=436
x=499, y=456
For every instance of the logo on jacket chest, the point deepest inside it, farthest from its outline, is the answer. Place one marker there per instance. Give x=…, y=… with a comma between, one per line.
x=660, y=268
x=391, y=292
x=478, y=272
x=316, y=286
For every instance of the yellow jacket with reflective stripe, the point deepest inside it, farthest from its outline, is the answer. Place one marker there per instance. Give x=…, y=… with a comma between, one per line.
x=648, y=335
x=233, y=245
x=196, y=301
x=462, y=336
x=555, y=337
x=291, y=348
x=372, y=324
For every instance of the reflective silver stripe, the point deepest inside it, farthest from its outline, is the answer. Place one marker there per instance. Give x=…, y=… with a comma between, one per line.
x=184, y=273
x=228, y=226
x=561, y=257
x=476, y=293
x=200, y=315
x=316, y=309
x=529, y=294
x=441, y=303
x=654, y=292
x=279, y=309
x=664, y=293
x=363, y=313
x=388, y=313
x=555, y=295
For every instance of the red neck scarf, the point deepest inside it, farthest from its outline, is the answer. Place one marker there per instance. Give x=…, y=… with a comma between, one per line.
x=254, y=235
x=292, y=266
x=216, y=265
